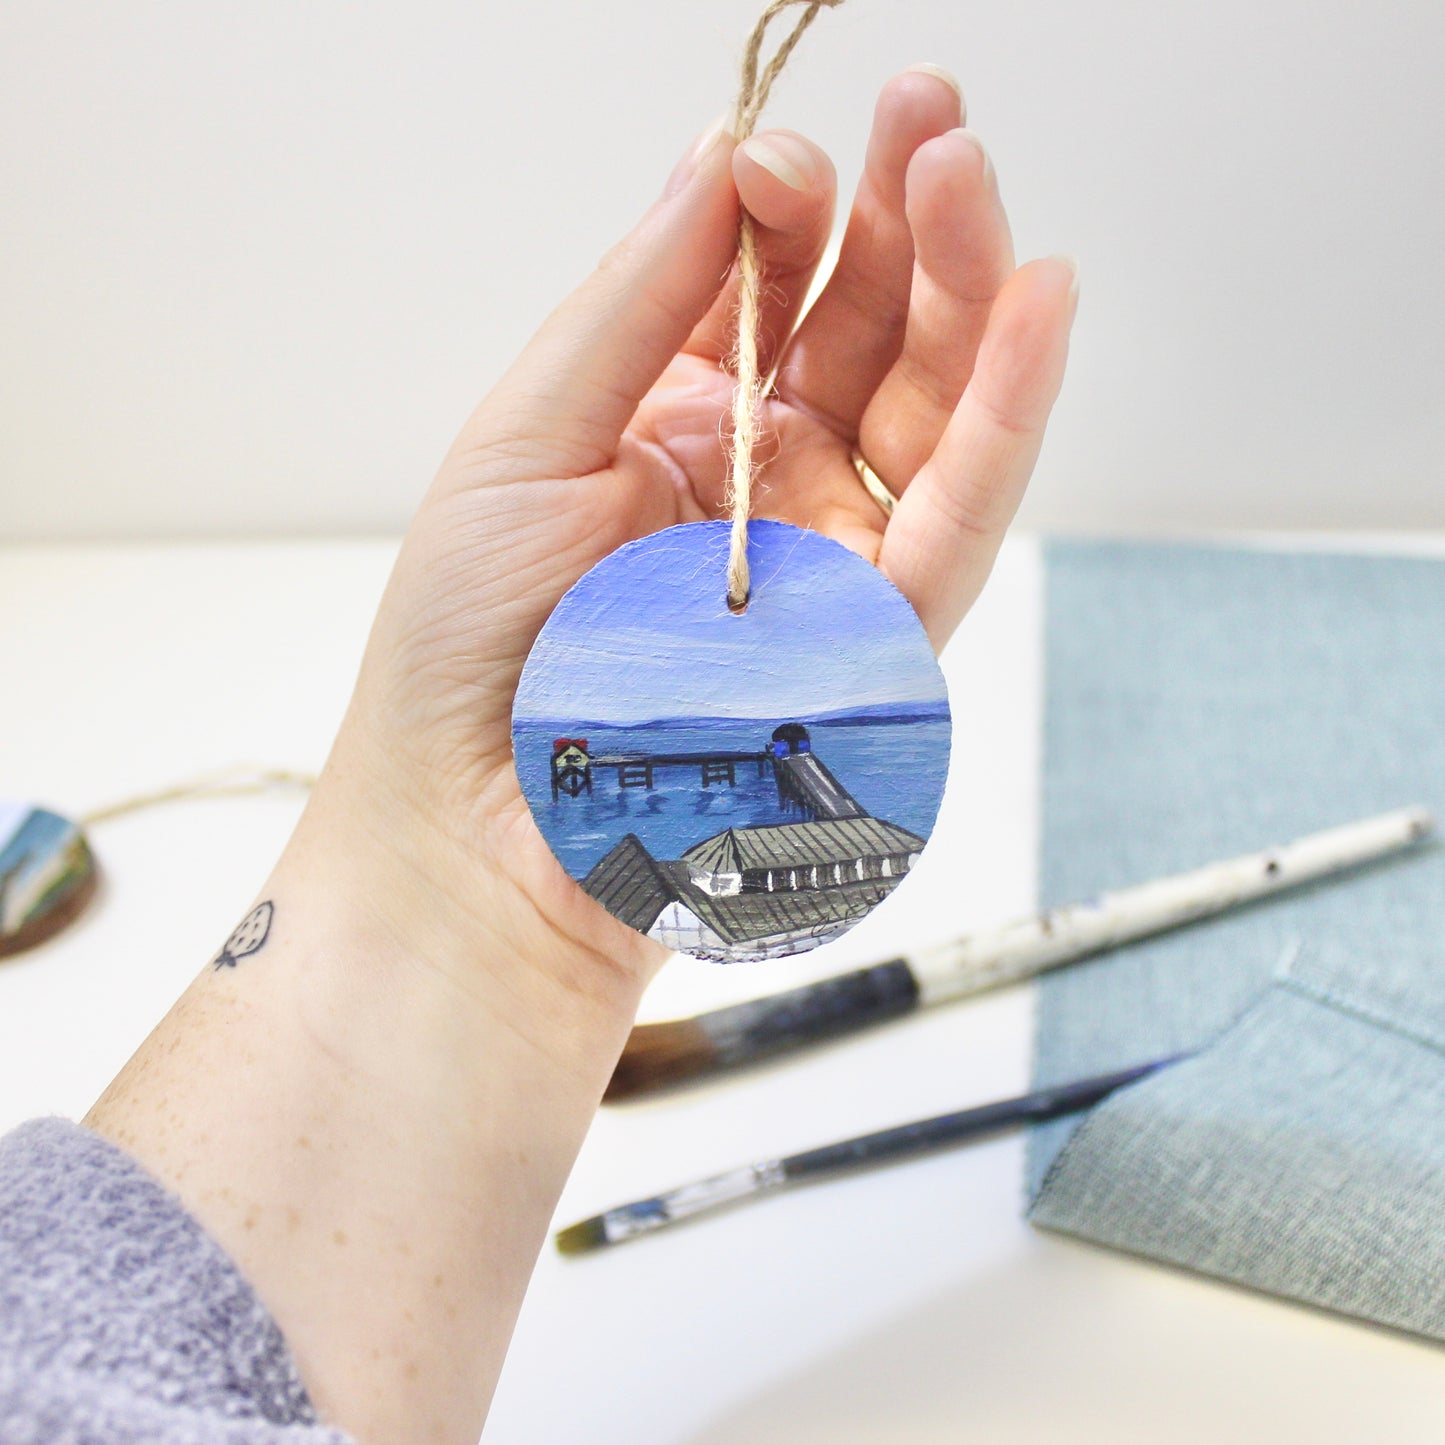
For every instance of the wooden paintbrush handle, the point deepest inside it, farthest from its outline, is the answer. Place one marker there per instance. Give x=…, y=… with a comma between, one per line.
x=1032, y=946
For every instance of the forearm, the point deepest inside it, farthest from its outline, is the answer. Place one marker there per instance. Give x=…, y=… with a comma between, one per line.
x=374, y=1113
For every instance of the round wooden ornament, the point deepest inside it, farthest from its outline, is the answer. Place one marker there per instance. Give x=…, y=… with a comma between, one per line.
x=47, y=875
x=737, y=785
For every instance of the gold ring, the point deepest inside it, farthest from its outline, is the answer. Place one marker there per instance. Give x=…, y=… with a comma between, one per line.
x=877, y=487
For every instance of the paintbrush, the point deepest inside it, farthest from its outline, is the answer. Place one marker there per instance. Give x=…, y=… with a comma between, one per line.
x=904, y=1141
x=660, y=1054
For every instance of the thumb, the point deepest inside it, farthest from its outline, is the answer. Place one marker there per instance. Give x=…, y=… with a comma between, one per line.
x=563, y=405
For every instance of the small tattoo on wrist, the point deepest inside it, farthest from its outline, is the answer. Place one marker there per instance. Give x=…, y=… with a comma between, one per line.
x=250, y=936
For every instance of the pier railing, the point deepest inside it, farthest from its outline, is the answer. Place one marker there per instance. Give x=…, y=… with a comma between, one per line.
x=638, y=770
x=805, y=784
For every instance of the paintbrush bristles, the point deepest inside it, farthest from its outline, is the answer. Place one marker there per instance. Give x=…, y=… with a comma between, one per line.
x=660, y=1054
x=668, y=1053
x=583, y=1237
x=642, y=1216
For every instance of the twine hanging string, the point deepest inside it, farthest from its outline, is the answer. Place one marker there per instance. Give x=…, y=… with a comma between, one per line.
x=228, y=783
x=748, y=392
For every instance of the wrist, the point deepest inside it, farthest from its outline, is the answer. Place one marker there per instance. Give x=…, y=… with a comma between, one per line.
x=374, y=1108
x=395, y=892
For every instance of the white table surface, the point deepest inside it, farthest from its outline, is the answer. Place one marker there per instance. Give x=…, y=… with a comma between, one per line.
x=910, y=1305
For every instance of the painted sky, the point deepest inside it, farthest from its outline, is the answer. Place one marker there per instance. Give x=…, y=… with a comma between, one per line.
x=647, y=634
x=29, y=833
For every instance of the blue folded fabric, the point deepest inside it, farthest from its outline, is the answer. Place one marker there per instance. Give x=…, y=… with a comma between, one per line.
x=1204, y=702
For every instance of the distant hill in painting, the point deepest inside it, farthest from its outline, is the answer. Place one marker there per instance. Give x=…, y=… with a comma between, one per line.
x=874, y=714
x=881, y=712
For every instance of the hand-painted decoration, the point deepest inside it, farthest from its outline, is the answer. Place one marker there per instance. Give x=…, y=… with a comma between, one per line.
x=738, y=786
x=47, y=875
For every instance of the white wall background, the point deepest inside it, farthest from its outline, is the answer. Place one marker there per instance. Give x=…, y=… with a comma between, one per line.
x=259, y=259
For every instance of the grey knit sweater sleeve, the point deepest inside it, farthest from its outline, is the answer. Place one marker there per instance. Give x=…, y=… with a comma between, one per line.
x=121, y=1321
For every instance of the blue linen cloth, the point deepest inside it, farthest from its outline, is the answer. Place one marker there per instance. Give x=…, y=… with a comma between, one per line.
x=1204, y=702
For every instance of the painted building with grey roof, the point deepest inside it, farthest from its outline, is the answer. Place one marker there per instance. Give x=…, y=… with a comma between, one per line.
x=756, y=892
x=801, y=855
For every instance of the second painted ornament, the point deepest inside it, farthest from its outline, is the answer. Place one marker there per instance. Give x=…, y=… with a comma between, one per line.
x=47, y=875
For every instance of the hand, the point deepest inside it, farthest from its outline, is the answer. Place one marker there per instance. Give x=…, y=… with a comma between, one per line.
x=926, y=348
x=375, y=1112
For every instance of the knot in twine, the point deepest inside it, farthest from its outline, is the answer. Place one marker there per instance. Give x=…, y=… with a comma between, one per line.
x=753, y=93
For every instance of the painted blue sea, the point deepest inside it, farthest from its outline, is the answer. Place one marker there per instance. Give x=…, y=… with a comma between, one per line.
x=895, y=769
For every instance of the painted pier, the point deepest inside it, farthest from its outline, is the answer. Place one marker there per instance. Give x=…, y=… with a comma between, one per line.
x=638, y=770
x=573, y=767
x=805, y=785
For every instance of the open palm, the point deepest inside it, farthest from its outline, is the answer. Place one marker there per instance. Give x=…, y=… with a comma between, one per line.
x=926, y=349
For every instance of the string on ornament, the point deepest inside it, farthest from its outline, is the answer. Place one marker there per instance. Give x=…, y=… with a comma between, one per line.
x=748, y=393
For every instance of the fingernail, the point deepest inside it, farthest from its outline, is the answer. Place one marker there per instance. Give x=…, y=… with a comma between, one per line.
x=783, y=156
x=686, y=168
x=1064, y=258
x=972, y=138
x=939, y=73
